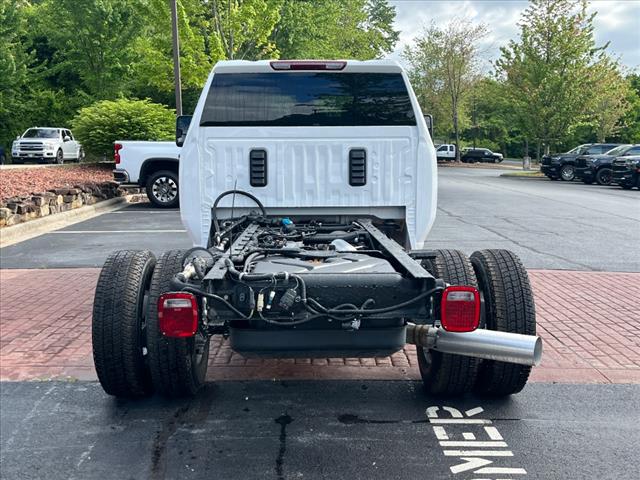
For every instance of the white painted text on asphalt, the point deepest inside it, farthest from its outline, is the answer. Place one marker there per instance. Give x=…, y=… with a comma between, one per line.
x=480, y=448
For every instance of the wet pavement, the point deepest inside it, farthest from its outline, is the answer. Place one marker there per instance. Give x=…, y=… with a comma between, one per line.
x=319, y=430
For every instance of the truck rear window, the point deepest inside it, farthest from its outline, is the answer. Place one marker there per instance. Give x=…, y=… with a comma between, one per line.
x=307, y=99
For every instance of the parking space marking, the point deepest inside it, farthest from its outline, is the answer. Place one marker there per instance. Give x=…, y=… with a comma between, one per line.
x=480, y=458
x=145, y=211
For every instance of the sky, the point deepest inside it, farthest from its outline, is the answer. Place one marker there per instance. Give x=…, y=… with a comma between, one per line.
x=617, y=21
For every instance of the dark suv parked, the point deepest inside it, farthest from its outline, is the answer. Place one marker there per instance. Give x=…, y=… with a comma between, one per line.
x=590, y=168
x=472, y=155
x=625, y=171
x=562, y=165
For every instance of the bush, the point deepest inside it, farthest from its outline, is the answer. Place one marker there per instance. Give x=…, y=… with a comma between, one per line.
x=99, y=125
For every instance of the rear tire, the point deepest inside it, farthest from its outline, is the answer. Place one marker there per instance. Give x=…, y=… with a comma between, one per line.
x=603, y=177
x=567, y=173
x=162, y=189
x=444, y=373
x=178, y=365
x=118, y=323
x=509, y=307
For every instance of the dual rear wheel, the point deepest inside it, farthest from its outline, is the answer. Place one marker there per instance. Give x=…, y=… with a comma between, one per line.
x=508, y=307
x=131, y=356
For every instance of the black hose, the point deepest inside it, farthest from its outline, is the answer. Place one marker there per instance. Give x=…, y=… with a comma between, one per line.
x=214, y=216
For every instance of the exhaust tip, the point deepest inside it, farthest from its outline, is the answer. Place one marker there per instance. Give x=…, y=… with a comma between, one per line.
x=537, y=352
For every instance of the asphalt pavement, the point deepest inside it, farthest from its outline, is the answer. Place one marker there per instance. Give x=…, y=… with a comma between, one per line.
x=550, y=225
x=319, y=430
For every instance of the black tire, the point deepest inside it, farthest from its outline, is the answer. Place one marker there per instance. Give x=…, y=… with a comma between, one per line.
x=118, y=323
x=178, y=365
x=509, y=307
x=162, y=189
x=603, y=176
x=443, y=373
x=59, y=157
x=567, y=173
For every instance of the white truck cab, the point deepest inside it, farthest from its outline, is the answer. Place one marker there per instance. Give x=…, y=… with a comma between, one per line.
x=343, y=138
x=446, y=151
x=52, y=145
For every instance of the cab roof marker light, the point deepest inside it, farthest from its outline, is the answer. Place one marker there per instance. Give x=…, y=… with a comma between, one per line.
x=307, y=65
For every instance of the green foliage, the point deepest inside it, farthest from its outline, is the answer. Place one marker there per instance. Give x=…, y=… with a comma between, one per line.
x=13, y=68
x=94, y=39
x=99, y=125
x=630, y=124
x=444, y=66
x=242, y=28
x=152, y=66
x=548, y=72
x=330, y=29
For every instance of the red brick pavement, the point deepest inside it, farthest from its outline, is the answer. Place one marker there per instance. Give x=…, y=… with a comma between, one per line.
x=590, y=324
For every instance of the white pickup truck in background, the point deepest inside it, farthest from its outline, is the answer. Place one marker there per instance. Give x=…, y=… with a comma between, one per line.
x=152, y=165
x=446, y=151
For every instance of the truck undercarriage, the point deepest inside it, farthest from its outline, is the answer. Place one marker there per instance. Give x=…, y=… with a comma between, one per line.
x=315, y=287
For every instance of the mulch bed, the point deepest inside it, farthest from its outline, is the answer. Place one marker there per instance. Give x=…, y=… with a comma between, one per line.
x=22, y=182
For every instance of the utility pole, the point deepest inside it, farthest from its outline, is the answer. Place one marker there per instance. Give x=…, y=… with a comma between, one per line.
x=475, y=120
x=176, y=55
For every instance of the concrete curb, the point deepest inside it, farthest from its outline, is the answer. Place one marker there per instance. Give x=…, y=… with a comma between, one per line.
x=33, y=228
x=523, y=177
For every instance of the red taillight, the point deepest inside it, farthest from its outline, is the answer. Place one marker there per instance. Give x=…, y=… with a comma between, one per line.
x=460, y=309
x=116, y=152
x=307, y=65
x=178, y=314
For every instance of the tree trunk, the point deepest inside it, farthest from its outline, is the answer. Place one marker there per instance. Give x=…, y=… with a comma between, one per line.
x=538, y=147
x=456, y=134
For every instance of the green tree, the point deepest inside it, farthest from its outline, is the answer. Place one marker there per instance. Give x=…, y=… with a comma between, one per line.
x=610, y=99
x=99, y=125
x=548, y=71
x=491, y=113
x=152, y=66
x=13, y=69
x=93, y=39
x=444, y=66
x=630, y=123
x=241, y=29
x=330, y=29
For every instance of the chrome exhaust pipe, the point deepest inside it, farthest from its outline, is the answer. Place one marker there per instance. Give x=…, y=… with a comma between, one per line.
x=481, y=343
